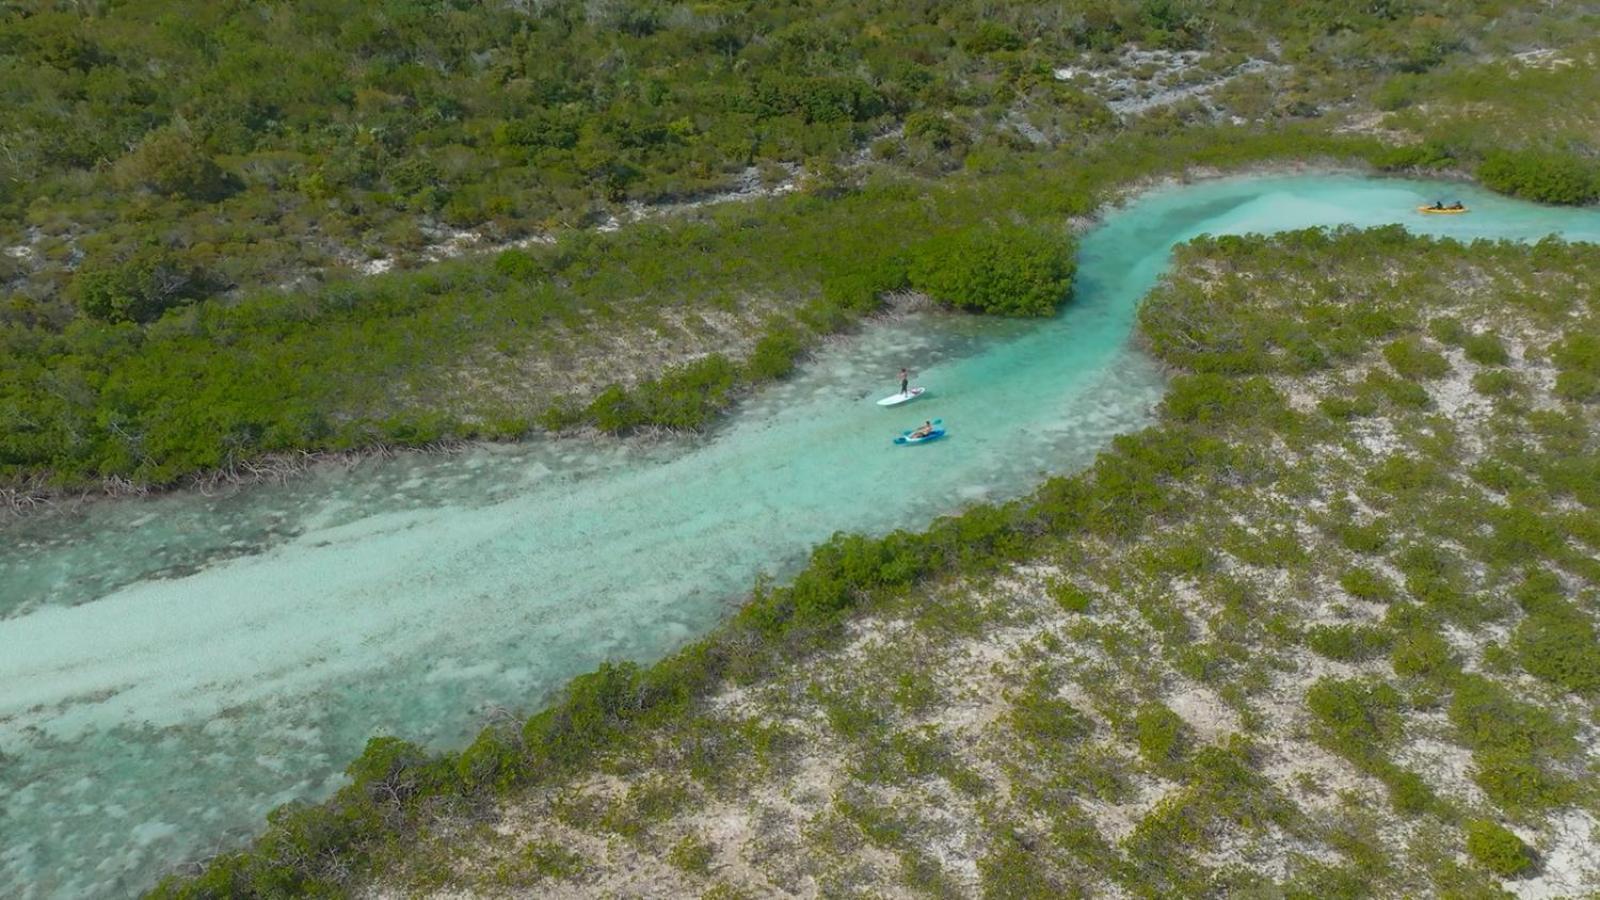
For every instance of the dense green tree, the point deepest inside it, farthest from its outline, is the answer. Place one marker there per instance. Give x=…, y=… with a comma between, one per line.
x=138, y=288
x=1543, y=176
x=170, y=162
x=1007, y=270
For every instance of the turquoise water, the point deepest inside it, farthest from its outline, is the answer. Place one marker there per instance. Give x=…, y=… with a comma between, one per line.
x=172, y=668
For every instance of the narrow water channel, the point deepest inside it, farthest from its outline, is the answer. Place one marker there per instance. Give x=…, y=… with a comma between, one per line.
x=172, y=668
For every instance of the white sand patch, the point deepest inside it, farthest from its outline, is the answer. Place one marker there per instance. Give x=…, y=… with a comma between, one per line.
x=1205, y=712
x=1546, y=58
x=1569, y=858
x=452, y=243
x=1115, y=821
x=1447, y=767
x=1376, y=436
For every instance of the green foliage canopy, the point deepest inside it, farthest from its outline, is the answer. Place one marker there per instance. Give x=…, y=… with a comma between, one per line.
x=1003, y=270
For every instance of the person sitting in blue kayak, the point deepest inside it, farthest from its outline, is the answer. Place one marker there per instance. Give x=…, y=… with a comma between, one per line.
x=923, y=431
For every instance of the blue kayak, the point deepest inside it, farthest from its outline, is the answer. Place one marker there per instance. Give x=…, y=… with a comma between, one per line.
x=937, y=432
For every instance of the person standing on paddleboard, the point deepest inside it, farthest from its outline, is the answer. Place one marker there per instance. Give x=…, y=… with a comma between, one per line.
x=905, y=382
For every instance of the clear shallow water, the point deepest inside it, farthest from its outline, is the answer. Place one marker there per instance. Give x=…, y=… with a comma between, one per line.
x=172, y=668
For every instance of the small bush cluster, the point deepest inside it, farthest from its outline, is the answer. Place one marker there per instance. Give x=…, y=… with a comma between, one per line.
x=1365, y=584
x=1422, y=653
x=1545, y=176
x=1069, y=596
x=1161, y=734
x=1359, y=720
x=1356, y=719
x=1412, y=360
x=1513, y=744
x=686, y=397
x=1556, y=641
x=1349, y=643
x=1578, y=357
x=1002, y=270
x=1046, y=720
x=1494, y=847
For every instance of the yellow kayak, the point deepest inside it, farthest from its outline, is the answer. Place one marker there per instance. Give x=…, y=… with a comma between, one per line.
x=1441, y=212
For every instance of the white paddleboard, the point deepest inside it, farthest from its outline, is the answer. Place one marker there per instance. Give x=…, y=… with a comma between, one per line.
x=897, y=399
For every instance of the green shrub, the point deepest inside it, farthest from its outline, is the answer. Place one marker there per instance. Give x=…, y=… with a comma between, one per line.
x=1558, y=643
x=1422, y=653
x=1342, y=408
x=688, y=396
x=1412, y=360
x=1349, y=643
x=881, y=825
x=1511, y=742
x=1069, y=596
x=614, y=410
x=1355, y=719
x=390, y=771
x=1499, y=475
x=685, y=397
x=544, y=859
x=592, y=716
x=935, y=130
x=559, y=416
x=691, y=854
x=1223, y=790
x=1365, y=584
x=1213, y=399
x=493, y=762
x=1539, y=591
x=1369, y=538
x=1046, y=720
x=1545, y=176
x=1486, y=350
x=139, y=288
x=1161, y=734
x=1271, y=546
x=1494, y=847
x=171, y=162
x=1409, y=793
x=1580, y=386
x=518, y=265
x=1520, y=534
x=1180, y=558
x=1414, y=156
x=1517, y=780
x=1578, y=357
x=1399, y=391
x=1495, y=383
x=1578, y=352
x=1448, y=330
x=1013, y=870
x=1005, y=270
x=857, y=288
x=774, y=355
x=991, y=36
x=1405, y=476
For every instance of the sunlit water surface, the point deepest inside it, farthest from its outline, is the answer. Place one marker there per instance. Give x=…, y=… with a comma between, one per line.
x=172, y=668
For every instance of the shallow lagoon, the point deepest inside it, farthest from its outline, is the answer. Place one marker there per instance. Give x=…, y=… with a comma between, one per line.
x=175, y=667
